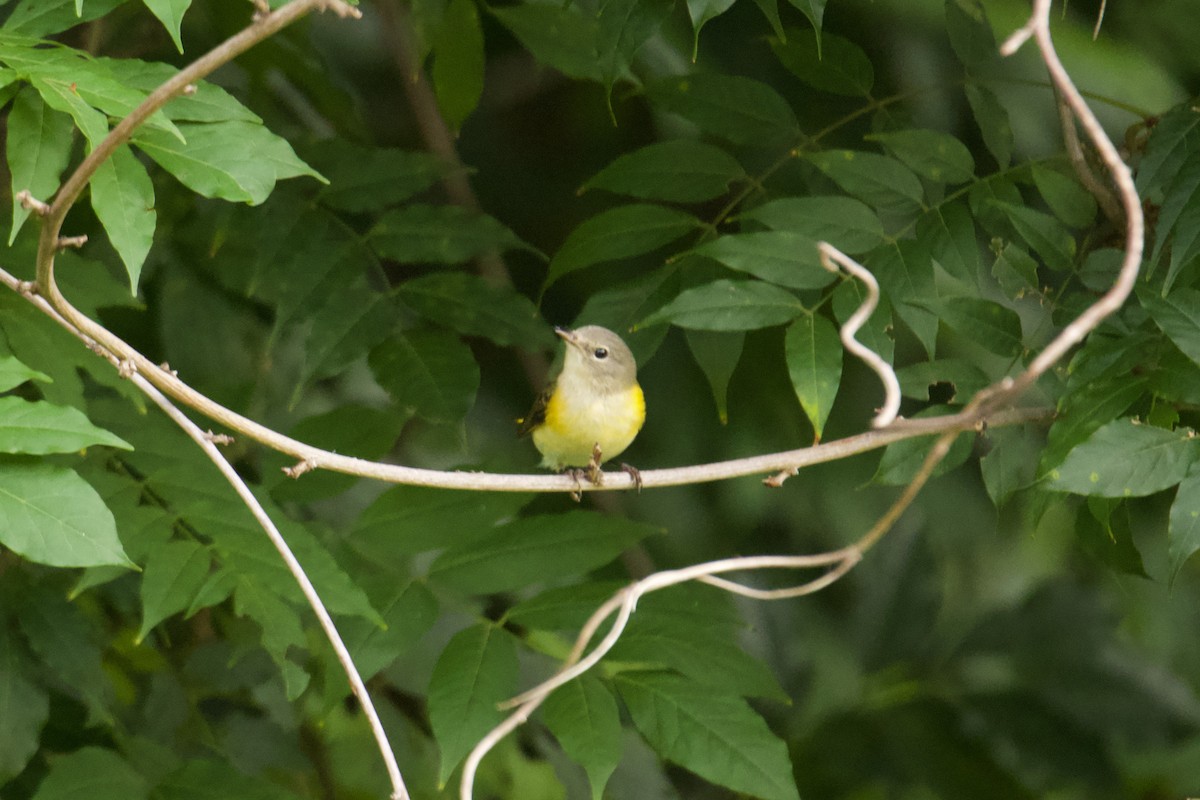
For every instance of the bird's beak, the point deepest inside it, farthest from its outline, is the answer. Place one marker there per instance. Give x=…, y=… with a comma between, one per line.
x=567, y=336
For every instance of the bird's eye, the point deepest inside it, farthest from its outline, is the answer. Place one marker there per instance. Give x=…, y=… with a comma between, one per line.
x=601, y=353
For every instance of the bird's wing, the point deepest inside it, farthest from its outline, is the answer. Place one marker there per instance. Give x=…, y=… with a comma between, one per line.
x=537, y=414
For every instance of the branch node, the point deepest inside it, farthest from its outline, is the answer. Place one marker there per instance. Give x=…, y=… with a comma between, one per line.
x=262, y=10
x=776, y=480
x=127, y=368
x=27, y=288
x=165, y=367
x=72, y=241
x=189, y=90
x=31, y=203
x=218, y=438
x=301, y=467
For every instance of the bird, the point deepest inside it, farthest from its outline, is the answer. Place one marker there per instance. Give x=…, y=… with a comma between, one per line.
x=592, y=411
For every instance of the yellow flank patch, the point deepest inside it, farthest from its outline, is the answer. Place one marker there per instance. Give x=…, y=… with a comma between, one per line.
x=576, y=422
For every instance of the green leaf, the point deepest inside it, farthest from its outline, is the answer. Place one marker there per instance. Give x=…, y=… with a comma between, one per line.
x=92, y=772
x=992, y=119
x=963, y=378
x=58, y=95
x=1069, y=201
x=458, y=62
x=170, y=14
x=1104, y=532
x=786, y=258
x=123, y=199
x=431, y=373
x=1124, y=459
x=66, y=642
x=624, y=26
x=726, y=305
x=14, y=372
x=680, y=170
x=413, y=519
x=24, y=707
x=563, y=608
x=970, y=34
x=371, y=178
x=814, y=359
x=717, y=354
x=39, y=147
x=620, y=232
x=1178, y=316
x=991, y=325
x=813, y=9
x=209, y=103
x=213, y=780
x=717, y=736
x=701, y=11
x=1011, y=463
x=476, y=671
x=902, y=460
x=1183, y=527
x=39, y=428
x=582, y=715
x=949, y=231
x=561, y=36
x=474, y=307
x=234, y=160
x=50, y=515
x=171, y=578
x=770, y=10
x=43, y=17
x=931, y=154
x=344, y=329
x=1016, y=271
x=279, y=625
x=408, y=609
x=444, y=234
x=825, y=61
x=905, y=273
x=846, y=223
x=702, y=649
x=528, y=550
x=877, y=180
x=240, y=543
x=1175, y=138
x=1043, y=233
x=1179, y=218
x=737, y=109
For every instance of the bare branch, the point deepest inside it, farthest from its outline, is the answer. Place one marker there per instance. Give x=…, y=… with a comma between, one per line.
x=1038, y=27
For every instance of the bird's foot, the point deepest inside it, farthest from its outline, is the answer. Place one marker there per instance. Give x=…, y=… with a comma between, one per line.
x=634, y=475
x=594, y=475
x=576, y=475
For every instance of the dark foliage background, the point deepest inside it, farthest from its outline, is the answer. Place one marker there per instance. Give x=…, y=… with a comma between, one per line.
x=1027, y=630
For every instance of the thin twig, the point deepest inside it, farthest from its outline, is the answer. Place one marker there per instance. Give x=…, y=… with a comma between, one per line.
x=831, y=259
x=1107, y=201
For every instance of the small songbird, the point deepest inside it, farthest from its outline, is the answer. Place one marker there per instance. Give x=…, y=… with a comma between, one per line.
x=593, y=410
